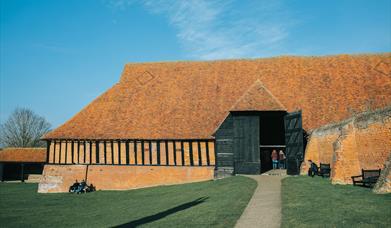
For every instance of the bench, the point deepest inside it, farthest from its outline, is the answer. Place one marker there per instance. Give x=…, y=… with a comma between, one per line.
x=324, y=170
x=368, y=178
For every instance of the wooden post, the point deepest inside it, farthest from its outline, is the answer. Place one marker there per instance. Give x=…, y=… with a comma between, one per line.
x=174, y=148
x=135, y=152
x=158, y=152
x=182, y=154
x=59, y=159
x=54, y=152
x=112, y=151
x=191, y=153
x=142, y=151
x=66, y=151
x=22, y=172
x=127, y=151
x=105, y=150
x=1, y=171
x=167, y=154
x=97, y=152
x=207, y=153
x=199, y=153
x=150, y=152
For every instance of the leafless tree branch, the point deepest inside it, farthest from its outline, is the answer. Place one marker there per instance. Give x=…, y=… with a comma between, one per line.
x=23, y=128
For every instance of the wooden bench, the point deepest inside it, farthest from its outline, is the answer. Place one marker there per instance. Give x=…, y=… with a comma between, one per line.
x=324, y=170
x=368, y=178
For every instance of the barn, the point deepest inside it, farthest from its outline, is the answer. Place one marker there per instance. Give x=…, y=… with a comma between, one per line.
x=22, y=164
x=178, y=122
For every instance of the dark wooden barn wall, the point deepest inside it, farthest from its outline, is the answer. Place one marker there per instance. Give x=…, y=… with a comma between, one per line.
x=246, y=144
x=237, y=145
x=224, y=148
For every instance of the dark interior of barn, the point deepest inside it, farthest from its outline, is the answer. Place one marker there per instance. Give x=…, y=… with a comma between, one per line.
x=20, y=171
x=272, y=136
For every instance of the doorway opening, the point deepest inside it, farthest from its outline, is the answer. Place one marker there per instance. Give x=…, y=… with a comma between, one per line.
x=271, y=137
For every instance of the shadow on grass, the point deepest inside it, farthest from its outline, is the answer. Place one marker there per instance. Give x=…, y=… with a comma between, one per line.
x=163, y=214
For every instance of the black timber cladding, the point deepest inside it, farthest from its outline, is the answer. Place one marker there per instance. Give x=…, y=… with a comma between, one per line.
x=294, y=142
x=237, y=144
x=246, y=144
x=224, y=144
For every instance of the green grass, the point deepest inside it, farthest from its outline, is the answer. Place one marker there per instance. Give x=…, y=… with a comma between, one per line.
x=212, y=203
x=315, y=202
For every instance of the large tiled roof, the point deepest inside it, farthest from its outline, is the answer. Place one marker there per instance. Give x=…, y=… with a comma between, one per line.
x=23, y=155
x=185, y=100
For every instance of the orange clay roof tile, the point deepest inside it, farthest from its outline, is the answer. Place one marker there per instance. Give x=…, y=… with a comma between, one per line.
x=188, y=100
x=258, y=98
x=23, y=155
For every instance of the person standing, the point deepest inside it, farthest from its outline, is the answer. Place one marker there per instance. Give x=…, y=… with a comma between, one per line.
x=282, y=158
x=274, y=157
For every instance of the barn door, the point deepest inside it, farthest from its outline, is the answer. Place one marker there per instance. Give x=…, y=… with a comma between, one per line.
x=294, y=142
x=246, y=145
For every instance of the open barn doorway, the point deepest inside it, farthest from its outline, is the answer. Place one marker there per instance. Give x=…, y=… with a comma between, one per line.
x=246, y=139
x=271, y=136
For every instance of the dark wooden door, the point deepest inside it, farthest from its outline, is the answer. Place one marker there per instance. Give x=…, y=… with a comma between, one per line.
x=294, y=142
x=246, y=145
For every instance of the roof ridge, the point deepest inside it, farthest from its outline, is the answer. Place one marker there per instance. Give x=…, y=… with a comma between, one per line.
x=260, y=58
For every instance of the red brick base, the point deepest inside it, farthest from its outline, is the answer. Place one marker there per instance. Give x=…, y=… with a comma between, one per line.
x=58, y=178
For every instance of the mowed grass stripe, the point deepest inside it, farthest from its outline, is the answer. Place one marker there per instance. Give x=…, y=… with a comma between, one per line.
x=315, y=202
x=211, y=203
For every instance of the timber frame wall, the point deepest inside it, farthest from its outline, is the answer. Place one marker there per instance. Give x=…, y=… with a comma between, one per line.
x=131, y=152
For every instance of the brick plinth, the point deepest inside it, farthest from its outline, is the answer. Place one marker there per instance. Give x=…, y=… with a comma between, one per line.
x=58, y=178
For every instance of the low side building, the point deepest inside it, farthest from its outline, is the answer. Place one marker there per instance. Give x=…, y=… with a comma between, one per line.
x=22, y=163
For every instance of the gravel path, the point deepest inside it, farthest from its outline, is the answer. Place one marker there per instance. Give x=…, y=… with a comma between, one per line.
x=264, y=208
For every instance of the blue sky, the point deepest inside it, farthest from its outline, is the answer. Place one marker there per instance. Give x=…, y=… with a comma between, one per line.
x=57, y=56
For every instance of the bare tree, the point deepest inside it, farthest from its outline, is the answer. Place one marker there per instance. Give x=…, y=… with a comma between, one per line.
x=23, y=128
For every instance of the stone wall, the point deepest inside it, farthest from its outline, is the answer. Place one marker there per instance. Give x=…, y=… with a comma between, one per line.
x=58, y=178
x=383, y=185
x=361, y=142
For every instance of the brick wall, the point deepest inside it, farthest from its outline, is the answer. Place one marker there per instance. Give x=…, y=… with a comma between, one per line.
x=361, y=142
x=58, y=178
x=383, y=185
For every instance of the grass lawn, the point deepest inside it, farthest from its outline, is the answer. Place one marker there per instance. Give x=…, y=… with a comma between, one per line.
x=315, y=202
x=211, y=203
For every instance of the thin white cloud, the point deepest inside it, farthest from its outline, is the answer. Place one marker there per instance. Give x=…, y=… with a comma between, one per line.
x=223, y=29
x=56, y=48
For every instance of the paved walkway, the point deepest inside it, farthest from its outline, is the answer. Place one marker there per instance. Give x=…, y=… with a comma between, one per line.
x=264, y=208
